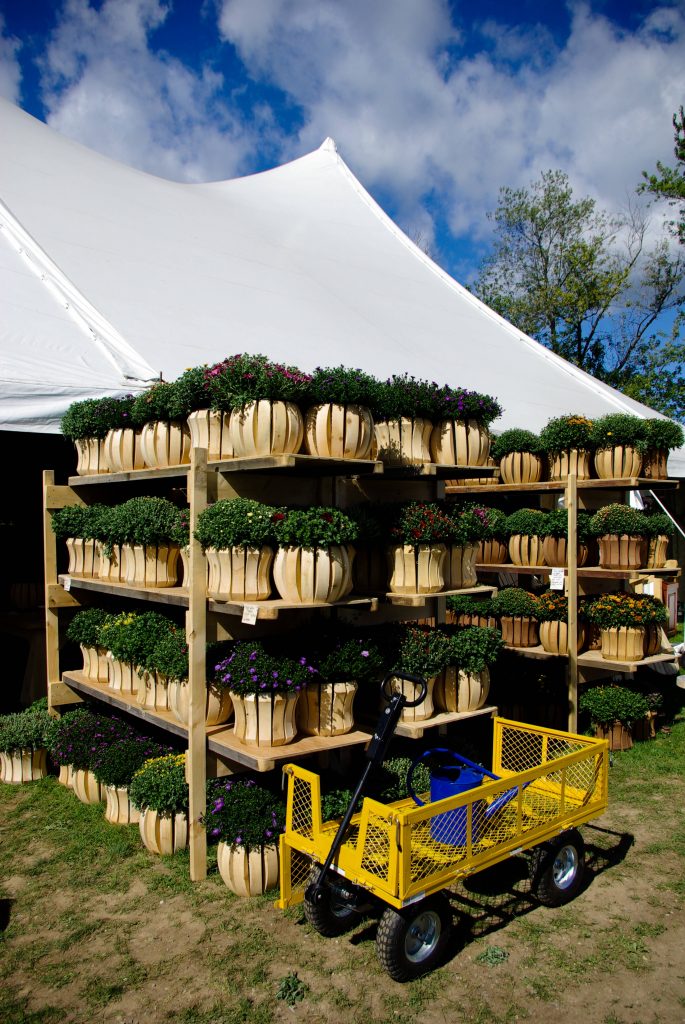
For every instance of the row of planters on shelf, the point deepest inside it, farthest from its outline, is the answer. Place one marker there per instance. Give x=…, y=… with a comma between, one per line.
x=624, y=627
x=272, y=691
x=616, y=446
x=248, y=405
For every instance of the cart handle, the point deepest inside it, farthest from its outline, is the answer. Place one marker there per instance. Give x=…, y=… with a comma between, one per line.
x=419, y=680
x=454, y=756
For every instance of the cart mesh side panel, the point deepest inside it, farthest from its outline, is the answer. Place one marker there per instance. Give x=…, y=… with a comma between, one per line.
x=522, y=749
x=300, y=870
x=376, y=852
x=302, y=806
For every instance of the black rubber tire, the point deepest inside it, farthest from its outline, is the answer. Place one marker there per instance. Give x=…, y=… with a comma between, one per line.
x=410, y=942
x=558, y=869
x=330, y=916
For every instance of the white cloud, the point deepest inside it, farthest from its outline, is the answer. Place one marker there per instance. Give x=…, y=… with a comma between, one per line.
x=10, y=70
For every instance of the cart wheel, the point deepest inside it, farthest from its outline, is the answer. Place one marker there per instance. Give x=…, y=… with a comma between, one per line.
x=557, y=869
x=331, y=916
x=410, y=942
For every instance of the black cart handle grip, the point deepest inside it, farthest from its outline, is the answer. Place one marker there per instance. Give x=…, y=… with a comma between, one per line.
x=419, y=680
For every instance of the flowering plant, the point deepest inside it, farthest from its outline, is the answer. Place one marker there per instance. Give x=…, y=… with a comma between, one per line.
x=619, y=428
x=556, y=524
x=314, y=527
x=400, y=396
x=619, y=519
x=243, y=378
x=608, y=704
x=236, y=522
x=614, y=610
x=188, y=393
x=117, y=764
x=181, y=531
x=422, y=651
x=341, y=385
x=251, y=670
x=515, y=440
x=564, y=432
x=86, y=627
x=515, y=601
x=447, y=403
x=153, y=404
x=663, y=434
x=421, y=522
x=528, y=521
x=133, y=637
x=243, y=814
x=340, y=660
x=552, y=607
x=470, y=523
x=160, y=785
x=24, y=730
x=79, y=737
x=475, y=648
x=94, y=417
x=495, y=524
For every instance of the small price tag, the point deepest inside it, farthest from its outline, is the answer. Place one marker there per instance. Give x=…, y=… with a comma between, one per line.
x=250, y=613
x=556, y=579
x=67, y=583
x=648, y=588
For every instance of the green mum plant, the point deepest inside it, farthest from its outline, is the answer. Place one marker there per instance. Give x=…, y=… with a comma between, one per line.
x=236, y=522
x=528, y=521
x=421, y=522
x=664, y=435
x=470, y=523
x=243, y=814
x=448, y=403
x=147, y=521
x=160, y=785
x=170, y=656
x=25, y=730
x=94, y=417
x=515, y=440
x=658, y=524
x=422, y=651
x=619, y=428
x=188, y=393
x=564, y=432
x=340, y=660
x=392, y=784
x=465, y=604
x=370, y=522
x=515, y=601
x=556, y=524
x=495, y=524
x=341, y=385
x=619, y=519
x=153, y=405
x=475, y=648
x=402, y=396
x=250, y=670
x=134, y=638
x=86, y=627
x=83, y=521
x=315, y=527
x=615, y=610
x=116, y=765
x=79, y=737
x=241, y=379
x=609, y=704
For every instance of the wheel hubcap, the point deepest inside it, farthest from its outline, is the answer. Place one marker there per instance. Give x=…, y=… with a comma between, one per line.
x=565, y=867
x=423, y=936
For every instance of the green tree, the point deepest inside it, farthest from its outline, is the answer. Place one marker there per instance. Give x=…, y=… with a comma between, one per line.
x=669, y=182
x=582, y=284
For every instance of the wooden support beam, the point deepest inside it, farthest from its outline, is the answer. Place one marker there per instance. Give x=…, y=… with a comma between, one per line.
x=196, y=631
x=58, y=597
x=571, y=502
x=61, y=496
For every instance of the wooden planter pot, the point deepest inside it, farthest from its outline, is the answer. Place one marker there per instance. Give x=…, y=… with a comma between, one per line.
x=123, y=450
x=66, y=776
x=477, y=481
x=403, y=442
x=575, y=460
x=526, y=549
x=248, y=873
x=338, y=431
x=652, y=643
x=23, y=765
x=657, y=552
x=617, y=463
x=492, y=552
x=91, y=457
x=623, y=643
x=645, y=728
x=554, y=637
x=460, y=443
x=456, y=690
x=555, y=551
x=326, y=709
x=465, y=619
x=266, y=428
x=84, y=557
x=95, y=663
x=123, y=677
x=239, y=574
x=119, y=809
x=87, y=787
x=619, y=735
x=410, y=690
x=211, y=430
x=460, y=566
x=323, y=574
x=153, y=691
x=111, y=566
x=370, y=570
x=417, y=569
x=163, y=833
x=655, y=464
x=165, y=444
x=265, y=721
x=155, y=565
x=218, y=703
x=519, y=630
x=621, y=552
x=520, y=468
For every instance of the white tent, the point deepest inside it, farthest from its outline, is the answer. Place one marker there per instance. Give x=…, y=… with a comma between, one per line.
x=110, y=277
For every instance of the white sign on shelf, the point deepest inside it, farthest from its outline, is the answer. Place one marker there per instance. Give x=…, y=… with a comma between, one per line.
x=556, y=579
x=250, y=613
x=67, y=583
x=648, y=588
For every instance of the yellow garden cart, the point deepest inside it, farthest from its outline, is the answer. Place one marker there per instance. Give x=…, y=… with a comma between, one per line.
x=544, y=783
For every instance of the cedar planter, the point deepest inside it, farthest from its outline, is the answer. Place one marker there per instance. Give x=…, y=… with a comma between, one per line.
x=520, y=468
x=459, y=691
x=87, y=787
x=621, y=552
x=211, y=430
x=163, y=833
x=411, y=690
x=618, y=735
x=492, y=552
x=476, y=481
x=460, y=566
x=123, y=677
x=218, y=703
x=23, y=765
x=123, y=450
x=84, y=557
x=266, y=428
x=155, y=565
x=465, y=619
x=248, y=872
x=153, y=691
x=417, y=569
x=111, y=566
x=519, y=630
x=338, y=431
x=555, y=551
x=165, y=444
x=267, y=721
x=554, y=637
x=403, y=442
x=657, y=552
x=623, y=643
x=325, y=709
x=370, y=569
x=655, y=464
x=322, y=574
x=645, y=728
x=652, y=643
x=575, y=460
x=95, y=663
x=239, y=574
x=621, y=462
x=526, y=549
x=460, y=443
x=91, y=457
x=66, y=775
x=119, y=809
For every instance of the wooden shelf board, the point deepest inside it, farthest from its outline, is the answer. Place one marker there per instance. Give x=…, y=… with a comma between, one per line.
x=415, y=730
x=439, y=470
x=270, y=609
x=417, y=600
x=160, y=595
x=533, y=652
x=586, y=572
x=628, y=484
x=594, y=659
x=129, y=477
x=310, y=464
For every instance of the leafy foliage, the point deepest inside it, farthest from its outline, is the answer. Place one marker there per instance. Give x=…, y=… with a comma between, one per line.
x=405, y=396
x=86, y=627
x=82, y=521
x=243, y=378
x=243, y=814
x=528, y=521
x=392, y=784
x=160, y=784
x=116, y=765
x=618, y=519
x=341, y=385
x=470, y=523
x=608, y=704
x=495, y=524
x=669, y=182
x=564, y=432
x=619, y=428
x=146, y=521
x=25, y=730
x=464, y=604
x=236, y=522
x=341, y=659
x=552, y=606
x=663, y=434
x=659, y=524
x=335, y=803
x=475, y=648
x=251, y=669
x=556, y=524
x=515, y=601
x=188, y=393
x=153, y=404
x=422, y=651
x=420, y=522
x=94, y=417
x=134, y=637
x=170, y=656
x=515, y=440
x=314, y=527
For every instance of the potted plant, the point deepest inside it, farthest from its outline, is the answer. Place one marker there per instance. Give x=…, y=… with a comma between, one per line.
x=264, y=400
x=622, y=619
x=338, y=423
x=24, y=737
x=552, y=614
x=85, y=630
x=246, y=819
x=659, y=528
x=313, y=562
x=401, y=409
x=469, y=524
x=555, y=537
x=145, y=634
x=87, y=424
x=517, y=611
x=238, y=537
x=77, y=740
x=661, y=436
x=143, y=529
x=264, y=689
x=171, y=662
x=114, y=768
x=460, y=436
x=619, y=440
x=464, y=683
x=122, y=444
x=160, y=792
x=613, y=710
x=493, y=549
x=519, y=455
x=566, y=442
x=621, y=532
x=526, y=528
x=325, y=707
x=119, y=641
x=419, y=534
x=465, y=610
x=78, y=527
x=209, y=428
x=422, y=652
x=164, y=441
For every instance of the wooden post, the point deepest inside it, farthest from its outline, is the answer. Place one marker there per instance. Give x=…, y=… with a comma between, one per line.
x=50, y=581
x=196, y=632
x=571, y=501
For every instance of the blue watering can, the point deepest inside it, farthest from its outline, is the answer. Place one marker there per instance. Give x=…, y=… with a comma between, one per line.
x=458, y=775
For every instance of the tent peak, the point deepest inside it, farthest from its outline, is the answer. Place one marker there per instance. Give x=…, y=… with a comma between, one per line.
x=328, y=145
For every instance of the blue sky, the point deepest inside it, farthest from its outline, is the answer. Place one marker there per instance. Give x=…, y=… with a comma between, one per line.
x=434, y=105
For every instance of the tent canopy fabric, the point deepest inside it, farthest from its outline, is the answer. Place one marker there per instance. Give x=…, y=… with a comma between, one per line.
x=110, y=277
